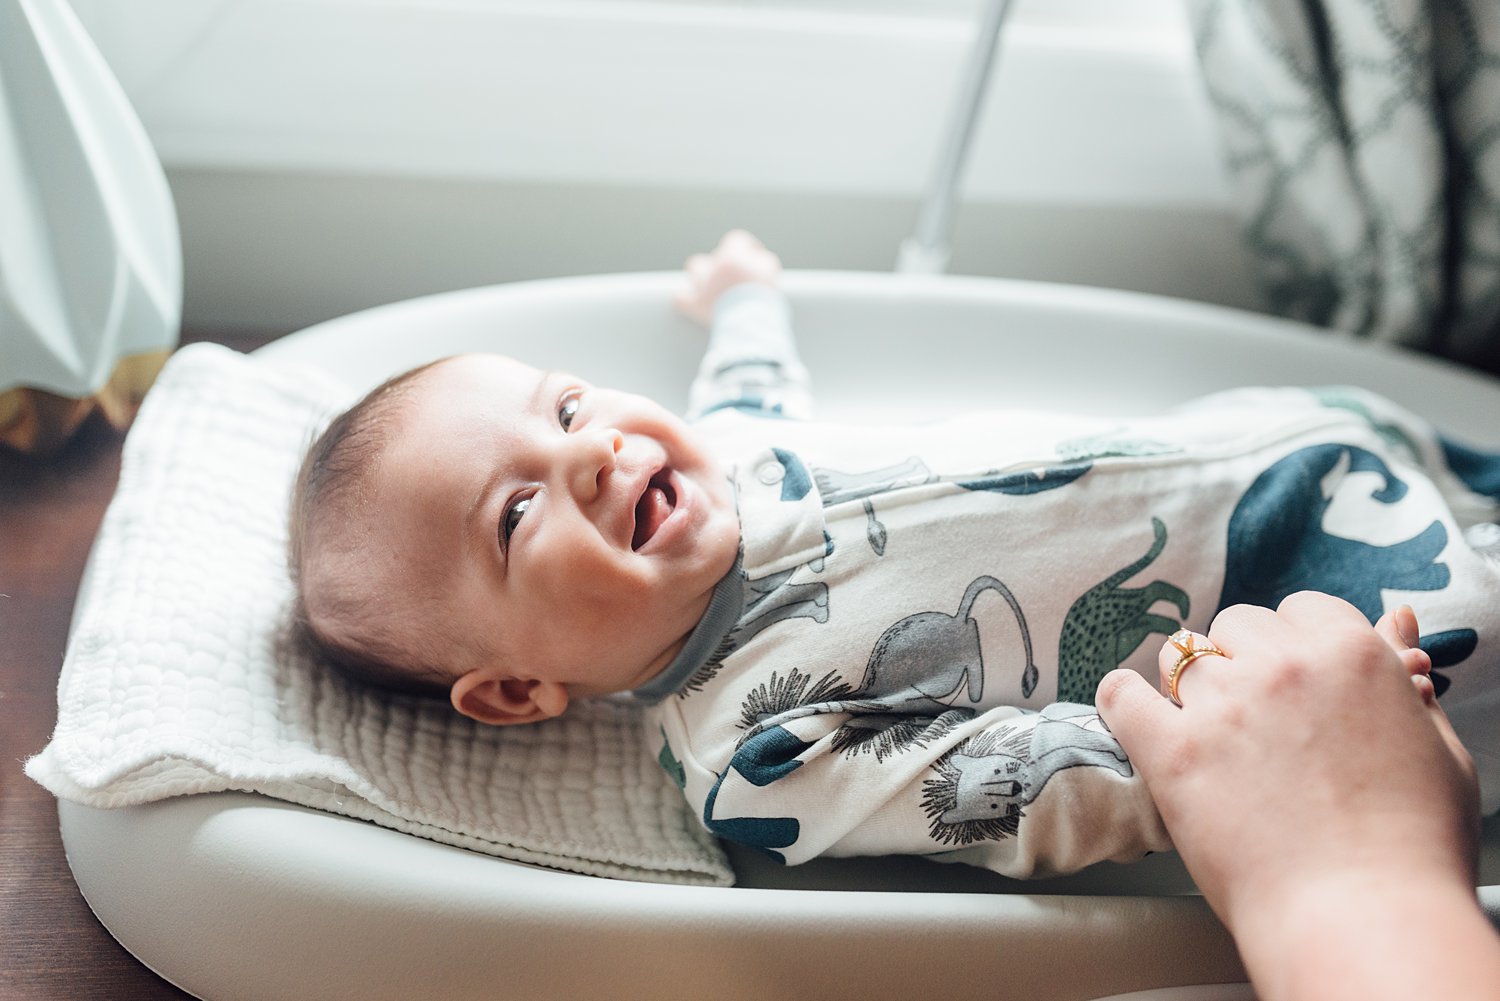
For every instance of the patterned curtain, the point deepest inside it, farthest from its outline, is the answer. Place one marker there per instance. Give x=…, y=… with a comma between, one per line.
x=1363, y=139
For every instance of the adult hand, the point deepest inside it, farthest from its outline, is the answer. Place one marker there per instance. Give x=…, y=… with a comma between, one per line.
x=1314, y=789
x=739, y=258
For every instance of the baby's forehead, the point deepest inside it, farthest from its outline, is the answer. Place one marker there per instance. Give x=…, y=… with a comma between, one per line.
x=465, y=385
x=481, y=366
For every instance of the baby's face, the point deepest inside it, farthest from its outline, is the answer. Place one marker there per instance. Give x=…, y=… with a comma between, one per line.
x=576, y=533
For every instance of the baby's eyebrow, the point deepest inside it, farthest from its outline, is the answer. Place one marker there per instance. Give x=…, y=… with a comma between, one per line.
x=472, y=529
x=540, y=392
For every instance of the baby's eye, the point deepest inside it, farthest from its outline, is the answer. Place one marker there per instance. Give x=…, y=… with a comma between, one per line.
x=567, y=409
x=511, y=519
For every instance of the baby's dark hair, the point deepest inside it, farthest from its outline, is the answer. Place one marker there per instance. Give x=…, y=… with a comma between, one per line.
x=330, y=486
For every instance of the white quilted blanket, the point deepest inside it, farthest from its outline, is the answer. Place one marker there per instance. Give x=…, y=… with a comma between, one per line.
x=179, y=678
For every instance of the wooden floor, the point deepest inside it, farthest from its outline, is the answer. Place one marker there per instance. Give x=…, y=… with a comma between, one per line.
x=51, y=946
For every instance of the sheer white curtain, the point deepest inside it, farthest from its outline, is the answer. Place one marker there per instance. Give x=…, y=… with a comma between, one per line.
x=90, y=264
x=1363, y=138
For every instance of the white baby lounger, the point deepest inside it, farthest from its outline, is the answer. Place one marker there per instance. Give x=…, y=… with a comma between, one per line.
x=238, y=896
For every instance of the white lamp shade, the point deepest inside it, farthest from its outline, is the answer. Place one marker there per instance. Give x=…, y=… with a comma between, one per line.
x=90, y=260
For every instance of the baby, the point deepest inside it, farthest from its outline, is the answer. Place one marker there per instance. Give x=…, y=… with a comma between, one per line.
x=859, y=640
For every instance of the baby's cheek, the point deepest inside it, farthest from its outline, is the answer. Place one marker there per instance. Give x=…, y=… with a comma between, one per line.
x=590, y=574
x=604, y=607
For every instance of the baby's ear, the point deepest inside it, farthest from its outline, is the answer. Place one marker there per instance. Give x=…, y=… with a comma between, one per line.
x=501, y=701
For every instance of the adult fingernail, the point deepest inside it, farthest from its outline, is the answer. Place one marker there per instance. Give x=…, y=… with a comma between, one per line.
x=1406, y=625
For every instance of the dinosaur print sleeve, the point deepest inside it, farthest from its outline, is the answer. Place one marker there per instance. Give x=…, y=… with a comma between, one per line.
x=752, y=362
x=1023, y=793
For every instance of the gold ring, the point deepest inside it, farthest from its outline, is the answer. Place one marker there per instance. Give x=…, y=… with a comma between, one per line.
x=1184, y=641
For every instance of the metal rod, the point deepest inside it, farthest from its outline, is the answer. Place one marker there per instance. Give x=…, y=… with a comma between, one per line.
x=926, y=250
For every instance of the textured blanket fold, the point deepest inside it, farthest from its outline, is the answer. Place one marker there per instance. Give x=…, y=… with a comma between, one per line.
x=179, y=677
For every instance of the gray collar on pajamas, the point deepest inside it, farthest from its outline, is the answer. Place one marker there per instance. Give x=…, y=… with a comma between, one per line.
x=724, y=610
x=781, y=526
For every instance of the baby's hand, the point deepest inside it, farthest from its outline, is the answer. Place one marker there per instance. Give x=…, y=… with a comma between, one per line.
x=739, y=258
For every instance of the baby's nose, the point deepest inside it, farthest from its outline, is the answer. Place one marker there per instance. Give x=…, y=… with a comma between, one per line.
x=595, y=452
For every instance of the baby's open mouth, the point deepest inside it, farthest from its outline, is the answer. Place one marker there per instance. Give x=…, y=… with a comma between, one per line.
x=655, y=506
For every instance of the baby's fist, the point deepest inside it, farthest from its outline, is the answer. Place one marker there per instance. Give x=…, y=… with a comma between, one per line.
x=738, y=259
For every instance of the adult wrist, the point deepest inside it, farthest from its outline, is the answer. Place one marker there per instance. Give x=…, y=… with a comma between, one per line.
x=1369, y=935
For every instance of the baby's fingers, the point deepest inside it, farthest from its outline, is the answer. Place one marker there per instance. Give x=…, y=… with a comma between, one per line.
x=739, y=239
x=697, y=267
x=693, y=296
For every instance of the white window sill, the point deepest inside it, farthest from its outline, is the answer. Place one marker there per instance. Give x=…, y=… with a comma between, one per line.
x=1094, y=101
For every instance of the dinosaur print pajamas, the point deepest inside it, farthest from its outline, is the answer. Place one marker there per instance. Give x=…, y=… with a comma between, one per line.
x=903, y=658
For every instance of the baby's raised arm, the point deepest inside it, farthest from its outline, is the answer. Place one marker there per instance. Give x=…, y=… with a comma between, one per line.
x=751, y=364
